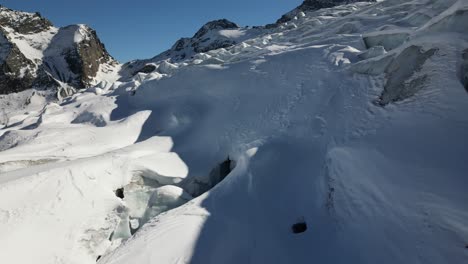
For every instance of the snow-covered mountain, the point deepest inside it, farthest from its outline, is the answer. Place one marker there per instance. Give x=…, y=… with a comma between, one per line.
x=338, y=136
x=214, y=35
x=35, y=54
x=312, y=5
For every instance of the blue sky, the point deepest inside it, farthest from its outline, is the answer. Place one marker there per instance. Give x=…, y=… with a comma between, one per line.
x=143, y=28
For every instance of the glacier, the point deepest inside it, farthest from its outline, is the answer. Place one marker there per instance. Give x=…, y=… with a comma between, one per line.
x=350, y=119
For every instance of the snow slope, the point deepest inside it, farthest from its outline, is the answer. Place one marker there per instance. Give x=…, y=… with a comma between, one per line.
x=328, y=119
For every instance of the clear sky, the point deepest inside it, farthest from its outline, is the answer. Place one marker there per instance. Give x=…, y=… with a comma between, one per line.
x=136, y=29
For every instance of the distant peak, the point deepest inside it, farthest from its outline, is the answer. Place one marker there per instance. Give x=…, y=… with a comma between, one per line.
x=23, y=22
x=215, y=25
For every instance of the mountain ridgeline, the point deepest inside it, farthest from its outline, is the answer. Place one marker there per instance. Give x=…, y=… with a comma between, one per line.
x=35, y=54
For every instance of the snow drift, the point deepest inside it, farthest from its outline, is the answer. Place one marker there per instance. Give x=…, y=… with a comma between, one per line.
x=215, y=157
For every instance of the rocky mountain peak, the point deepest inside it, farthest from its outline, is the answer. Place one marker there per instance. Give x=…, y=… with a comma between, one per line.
x=23, y=22
x=209, y=37
x=215, y=25
x=81, y=51
x=311, y=5
x=35, y=54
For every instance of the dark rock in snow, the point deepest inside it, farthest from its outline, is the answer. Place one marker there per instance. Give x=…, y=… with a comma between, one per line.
x=464, y=70
x=146, y=69
x=215, y=25
x=22, y=22
x=120, y=193
x=74, y=62
x=83, y=58
x=312, y=5
x=207, y=38
x=16, y=71
x=299, y=227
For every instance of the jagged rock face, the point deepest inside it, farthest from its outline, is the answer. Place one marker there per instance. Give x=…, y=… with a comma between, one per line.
x=71, y=55
x=311, y=5
x=16, y=71
x=93, y=54
x=23, y=23
x=202, y=36
x=207, y=38
x=204, y=40
x=215, y=25
x=75, y=55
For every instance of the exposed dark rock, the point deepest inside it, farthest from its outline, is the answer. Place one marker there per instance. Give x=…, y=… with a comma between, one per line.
x=215, y=25
x=204, y=40
x=400, y=84
x=217, y=44
x=299, y=227
x=464, y=70
x=120, y=193
x=82, y=58
x=16, y=71
x=312, y=5
x=93, y=53
x=22, y=22
x=146, y=69
x=70, y=61
x=181, y=44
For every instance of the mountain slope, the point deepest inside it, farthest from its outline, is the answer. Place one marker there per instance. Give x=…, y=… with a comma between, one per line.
x=339, y=137
x=35, y=54
x=214, y=35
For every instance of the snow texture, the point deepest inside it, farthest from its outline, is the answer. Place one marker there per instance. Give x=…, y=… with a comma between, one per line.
x=326, y=120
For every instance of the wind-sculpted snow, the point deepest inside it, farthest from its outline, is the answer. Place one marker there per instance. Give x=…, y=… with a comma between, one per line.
x=322, y=121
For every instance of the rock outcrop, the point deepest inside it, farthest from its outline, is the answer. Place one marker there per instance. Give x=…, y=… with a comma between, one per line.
x=205, y=39
x=17, y=72
x=311, y=5
x=35, y=54
x=75, y=55
x=209, y=37
x=22, y=22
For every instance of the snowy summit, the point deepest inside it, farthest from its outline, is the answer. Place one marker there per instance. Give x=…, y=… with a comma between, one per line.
x=337, y=134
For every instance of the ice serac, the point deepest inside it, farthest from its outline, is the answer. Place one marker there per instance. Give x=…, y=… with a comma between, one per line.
x=403, y=80
x=269, y=151
x=35, y=54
